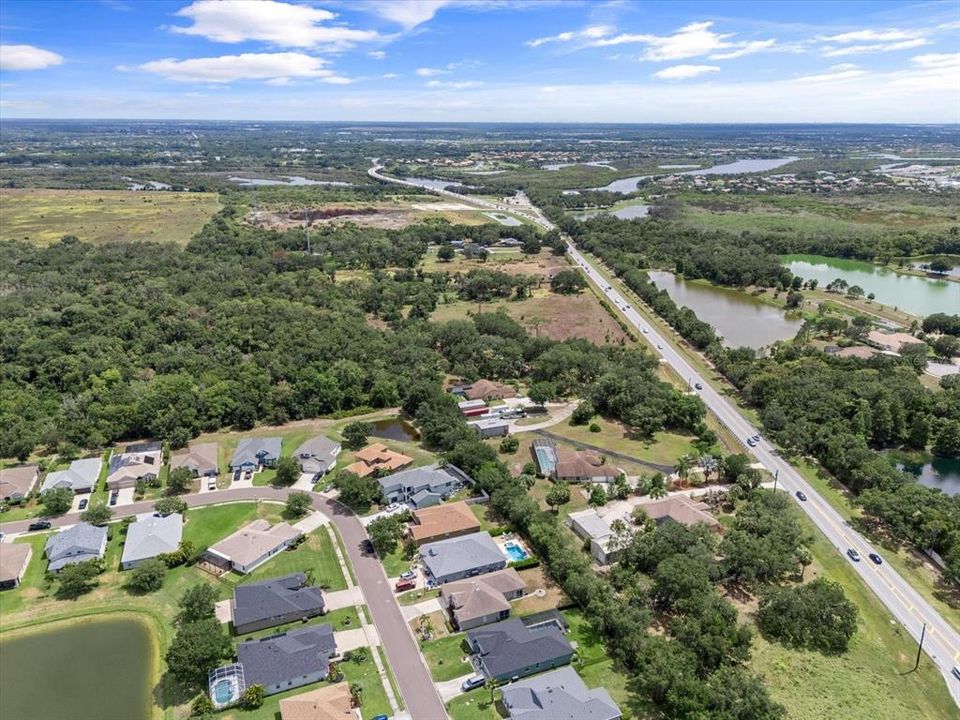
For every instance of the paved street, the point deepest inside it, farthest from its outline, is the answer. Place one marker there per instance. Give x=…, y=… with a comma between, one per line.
x=416, y=686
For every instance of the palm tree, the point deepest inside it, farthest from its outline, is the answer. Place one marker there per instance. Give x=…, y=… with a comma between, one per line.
x=803, y=557
x=684, y=465
x=492, y=684
x=657, y=486
x=356, y=694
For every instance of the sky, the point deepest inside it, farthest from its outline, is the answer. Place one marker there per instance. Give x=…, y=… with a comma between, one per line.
x=482, y=60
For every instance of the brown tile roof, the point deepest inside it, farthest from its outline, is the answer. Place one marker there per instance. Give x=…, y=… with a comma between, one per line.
x=484, y=595
x=330, y=702
x=17, y=480
x=484, y=389
x=13, y=560
x=681, y=509
x=573, y=464
x=254, y=540
x=443, y=521
x=864, y=353
x=376, y=456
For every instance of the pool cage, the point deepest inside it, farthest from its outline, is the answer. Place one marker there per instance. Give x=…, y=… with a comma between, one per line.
x=226, y=684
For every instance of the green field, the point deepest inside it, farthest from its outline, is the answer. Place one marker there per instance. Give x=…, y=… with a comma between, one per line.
x=99, y=216
x=445, y=657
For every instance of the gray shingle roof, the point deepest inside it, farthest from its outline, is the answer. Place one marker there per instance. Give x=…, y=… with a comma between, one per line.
x=151, y=535
x=460, y=554
x=509, y=646
x=558, y=695
x=419, y=478
x=287, y=656
x=79, y=477
x=76, y=544
x=255, y=450
x=274, y=598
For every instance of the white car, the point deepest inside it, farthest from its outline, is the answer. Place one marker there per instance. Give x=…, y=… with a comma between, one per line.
x=659, y=346
x=211, y=484
x=646, y=331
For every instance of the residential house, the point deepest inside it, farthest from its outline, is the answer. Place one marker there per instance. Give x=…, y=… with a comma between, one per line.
x=81, y=476
x=137, y=462
x=473, y=408
x=255, y=453
x=201, y=459
x=583, y=467
x=422, y=486
x=681, y=509
x=857, y=351
x=17, y=482
x=558, y=695
x=151, y=535
x=890, y=342
x=250, y=546
x=481, y=600
x=462, y=557
x=509, y=650
x=76, y=544
x=329, y=702
x=591, y=525
x=14, y=559
x=274, y=602
x=489, y=390
x=490, y=427
x=377, y=457
x=277, y=662
x=317, y=456
x=439, y=523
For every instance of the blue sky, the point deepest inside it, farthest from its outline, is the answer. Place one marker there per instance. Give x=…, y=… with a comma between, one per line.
x=482, y=60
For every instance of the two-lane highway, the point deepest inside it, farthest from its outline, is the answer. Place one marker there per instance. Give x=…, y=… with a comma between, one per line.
x=911, y=610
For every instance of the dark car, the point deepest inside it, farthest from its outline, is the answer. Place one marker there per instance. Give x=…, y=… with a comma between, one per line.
x=698, y=386
x=801, y=496
x=83, y=504
x=367, y=546
x=114, y=496
x=877, y=560
x=39, y=525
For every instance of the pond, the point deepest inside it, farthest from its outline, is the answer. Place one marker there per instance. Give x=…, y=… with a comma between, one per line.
x=917, y=295
x=291, y=180
x=628, y=185
x=626, y=212
x=742, y=320
x=96, y=669
x=394, y=429
x=934, y=472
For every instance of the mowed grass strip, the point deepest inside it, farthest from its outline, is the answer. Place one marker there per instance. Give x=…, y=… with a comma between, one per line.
x=43, y=217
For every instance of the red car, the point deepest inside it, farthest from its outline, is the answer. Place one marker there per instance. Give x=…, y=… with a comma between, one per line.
x=405, y=585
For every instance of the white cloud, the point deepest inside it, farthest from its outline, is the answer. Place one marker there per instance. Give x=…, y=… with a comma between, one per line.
x=830, y=51
x=746, y=48
x=279, y=23
x=377, y=54
x=685, y=72
x=937, y=60
x=432, y=72
x=27, y=57
x=593, y=32
x=389, y=76
x=407, y=13
x=843, y=71
x=277, y=68
x=870, y=36
x=454, y=84
x=691, y=40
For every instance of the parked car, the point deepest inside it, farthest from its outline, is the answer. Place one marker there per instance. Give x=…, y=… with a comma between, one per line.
x=211, y=484
x=380, y=717
x=39, y=525
x=114, y=496
x=877, y=560
x=408, y=575
x=473, y=683
x=392, y=507
x=801, y=496
x=854, y=555
x=236, y=476
x=83, y=504
x=402, y=585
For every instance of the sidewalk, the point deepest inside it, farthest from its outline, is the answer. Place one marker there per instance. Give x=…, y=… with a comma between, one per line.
x=421, y=608
x=311, y=522
x=370, y=632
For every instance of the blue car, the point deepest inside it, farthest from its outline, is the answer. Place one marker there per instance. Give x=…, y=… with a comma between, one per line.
x=380, y=717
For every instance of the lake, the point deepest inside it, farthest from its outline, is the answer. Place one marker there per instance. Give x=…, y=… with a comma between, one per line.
x=627, y=212
x=433, y=183
x=98, y=669
x=936, y=472
x=742, y=320
x=739, y=167
x=917, y=295
x=291, y=180
x=394, y=429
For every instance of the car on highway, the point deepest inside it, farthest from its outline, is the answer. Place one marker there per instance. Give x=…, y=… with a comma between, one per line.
x=659, y=346
x=854, y=555
x=876, y=559
x=801, y=496
x=646, y=331
x=39, y=525
x=698, y=386
x=751, y=442
x=82, y=505
x=472, y=683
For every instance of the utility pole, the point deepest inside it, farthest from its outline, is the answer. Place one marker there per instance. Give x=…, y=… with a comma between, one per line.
x=923, y=634
x=776, y=476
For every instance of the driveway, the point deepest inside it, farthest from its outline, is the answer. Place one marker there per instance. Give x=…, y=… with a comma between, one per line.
x=304, y=482
x=449, y=689
x=342, y=598
x=426, y=607
x=125, y=497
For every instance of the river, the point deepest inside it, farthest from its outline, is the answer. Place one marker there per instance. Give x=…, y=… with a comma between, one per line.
x=98, y=669
x=739, y=167
x=916, y=295
x=742, y=320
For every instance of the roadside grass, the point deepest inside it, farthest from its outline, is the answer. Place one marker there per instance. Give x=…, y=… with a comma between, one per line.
x=663, y=448
x=314, y=556
x=474, y=705
x=446, y=657
x=412, y=597
x=43, y=217
x=205, y=526
x=390, y=678
x=872, y=679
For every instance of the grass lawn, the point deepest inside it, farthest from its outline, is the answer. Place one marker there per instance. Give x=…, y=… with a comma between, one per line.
x=45, y=216
x=474, y=705
x=870, y=680
x=33, y=579
x=315, y=554
x=394, y=564
x=664, y=448
x=487, y=516
x=446, y=657
x=412, y=597
x=542, y=487
x=205, y=526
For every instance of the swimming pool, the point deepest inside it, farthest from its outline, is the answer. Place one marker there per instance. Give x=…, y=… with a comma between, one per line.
x=223, y=692
x=514, y=552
